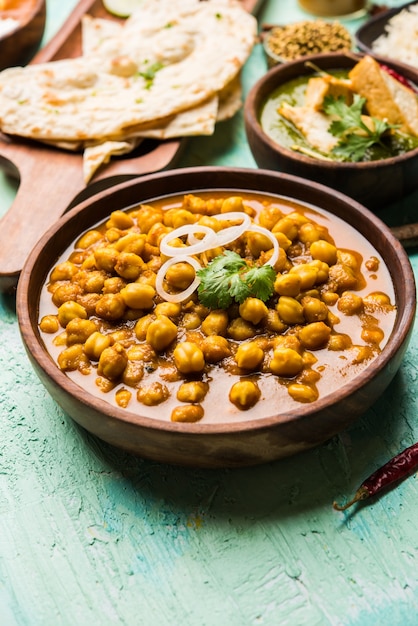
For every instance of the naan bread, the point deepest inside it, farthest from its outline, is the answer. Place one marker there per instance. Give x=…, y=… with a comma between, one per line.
x=171, y=70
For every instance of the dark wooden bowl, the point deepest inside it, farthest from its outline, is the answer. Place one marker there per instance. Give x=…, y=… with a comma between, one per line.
x=18, y=46
x=374, y=184
x=230, y=444
x=375, y=27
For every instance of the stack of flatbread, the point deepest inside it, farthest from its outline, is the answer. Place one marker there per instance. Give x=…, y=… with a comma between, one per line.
x=172, y=69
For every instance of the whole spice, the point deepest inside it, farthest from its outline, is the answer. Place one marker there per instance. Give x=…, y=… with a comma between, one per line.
x=394, y=470
x=293, y=41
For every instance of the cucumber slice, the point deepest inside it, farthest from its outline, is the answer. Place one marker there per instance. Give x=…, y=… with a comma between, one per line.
x=121, y=8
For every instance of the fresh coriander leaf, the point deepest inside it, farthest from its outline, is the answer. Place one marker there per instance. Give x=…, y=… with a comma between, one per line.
x=261, y=281
x=228, y=278
x=239, y=289
x=355, y=137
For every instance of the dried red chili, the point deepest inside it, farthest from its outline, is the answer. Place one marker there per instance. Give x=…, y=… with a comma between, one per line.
x=401, y=79
x=397, y=468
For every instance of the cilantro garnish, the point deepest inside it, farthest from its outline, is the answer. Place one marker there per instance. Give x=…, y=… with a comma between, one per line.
x=355, y=137
x=149, y=73
x=228, y=278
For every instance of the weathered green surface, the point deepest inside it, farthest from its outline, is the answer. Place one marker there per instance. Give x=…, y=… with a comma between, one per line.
x=92, y=536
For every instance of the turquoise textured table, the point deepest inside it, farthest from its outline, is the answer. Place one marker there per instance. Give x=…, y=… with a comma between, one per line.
x=92, y=536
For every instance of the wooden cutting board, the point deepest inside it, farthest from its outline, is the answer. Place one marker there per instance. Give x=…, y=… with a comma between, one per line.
x=51, y=180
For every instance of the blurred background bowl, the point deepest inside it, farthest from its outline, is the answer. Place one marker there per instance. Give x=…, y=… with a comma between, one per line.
x=18, y=45
x=373, y=183
x=231, y=443
x=289, y=42
x=375, y=27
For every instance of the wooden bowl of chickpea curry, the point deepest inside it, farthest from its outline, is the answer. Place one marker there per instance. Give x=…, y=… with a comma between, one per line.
x=216, y=316
x=340, y=119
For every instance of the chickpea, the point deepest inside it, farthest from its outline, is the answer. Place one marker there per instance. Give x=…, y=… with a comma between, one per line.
x=95, y=344
x=142, y=325
x=286, y=362
x=193, y=391
x=258, y=243
x=73, y=358
x=372, y=264
x=133, y=373
x=93, y=282
x=239, y=329
x=155, y=234
x=70, y=310
x=290, y=310
x=148, y=276
x=112, y=362
x=191, y=321
x=288, y=285
x=63, y=271
x=49, y=324
x=343, y=277
x=329, y=298
x=339, y=342
x=129, y=265
x=308, y=233
x=244, y=394
x=188, y=413
x=215, y=348
x=269, y=215
x=377, y=299
x=322, y=271
x=142, y=352
x=120, y=219
x=132, y=242
x=249, y=356
x=147, y=216
x=138, y=296
x=188, y=357
x=315, y=335
x=106, y=258
x=89, y=262
x=283, y=241
x=181, y=217
x=113, y=234
x=66, y=293
x=314, y=310
x=153, y=394
x=111, y=306
x=161, y=333
x=169, y=309
x=180, y=275
x=349, y=259
x=115, y=284
x=350, y=303
x=307, y=274
x=288, y=341
x=216, y=323
x=287, y=226
x=253, y=310
x=232, y=203
x=273, y=322
x=302, y=393
x=123, y=397
x=79, y=330
x=104, y=384
x=363, y=353
x=372, y=334
x=88, y=239
x=324, y=251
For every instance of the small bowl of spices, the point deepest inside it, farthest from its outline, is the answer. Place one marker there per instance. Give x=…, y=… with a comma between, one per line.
x=293, y=41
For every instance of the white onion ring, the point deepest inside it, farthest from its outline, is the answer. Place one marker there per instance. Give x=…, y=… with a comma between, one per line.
x=227, y=235
x=188, y=229
x=276, y=251
x=182, y=295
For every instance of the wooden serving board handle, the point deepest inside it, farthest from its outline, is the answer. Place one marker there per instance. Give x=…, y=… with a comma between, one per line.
x=49, y=181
